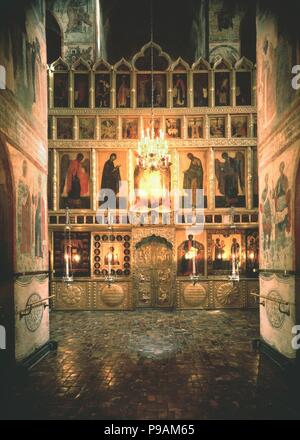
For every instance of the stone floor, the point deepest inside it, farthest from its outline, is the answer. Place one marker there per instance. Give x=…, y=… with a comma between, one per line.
x=152, y=365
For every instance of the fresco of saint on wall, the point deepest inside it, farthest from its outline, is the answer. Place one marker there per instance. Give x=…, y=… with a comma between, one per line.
x=31, y=219
x=275, y=207
x=25, y=212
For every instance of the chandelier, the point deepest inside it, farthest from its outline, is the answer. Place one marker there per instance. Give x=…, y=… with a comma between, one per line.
x=152, y=149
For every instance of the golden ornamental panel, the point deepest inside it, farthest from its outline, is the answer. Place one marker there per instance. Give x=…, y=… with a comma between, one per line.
x=227, y=294
x=71, y=296
x=112, y=297
x=193, y=296
x=252, y=287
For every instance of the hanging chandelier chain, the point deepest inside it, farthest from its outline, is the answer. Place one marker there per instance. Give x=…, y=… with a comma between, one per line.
x=152, y=67
x=152, y=149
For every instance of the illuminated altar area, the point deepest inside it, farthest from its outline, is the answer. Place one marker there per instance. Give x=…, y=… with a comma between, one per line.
x=156, y=246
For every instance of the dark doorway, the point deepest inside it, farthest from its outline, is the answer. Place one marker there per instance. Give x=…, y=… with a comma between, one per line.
x=53, y=38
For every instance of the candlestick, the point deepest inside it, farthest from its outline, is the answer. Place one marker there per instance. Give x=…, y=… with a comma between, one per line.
x=233, y=265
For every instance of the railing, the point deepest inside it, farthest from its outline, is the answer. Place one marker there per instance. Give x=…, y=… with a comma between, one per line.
x=28, y=309
x=278, y=301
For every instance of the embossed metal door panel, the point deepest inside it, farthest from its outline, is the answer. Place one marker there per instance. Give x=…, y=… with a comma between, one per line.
x=154, y=276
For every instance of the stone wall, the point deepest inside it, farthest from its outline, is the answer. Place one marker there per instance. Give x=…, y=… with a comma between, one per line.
x=23, y=131
x=77, y=20
x=278, y=151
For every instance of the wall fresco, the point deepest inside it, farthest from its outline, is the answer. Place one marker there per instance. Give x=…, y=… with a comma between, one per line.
x=31, y=215
x=276, y=207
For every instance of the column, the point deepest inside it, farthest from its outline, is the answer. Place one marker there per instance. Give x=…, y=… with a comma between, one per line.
x=133, y=89
x=113, y=90
x=54, y=181
x=51, y=89
x=249, y=189
x=211, y=88
x=211, y=180
x=71, y=89
x=94, y=181
x=92, y=89
x=233, y=88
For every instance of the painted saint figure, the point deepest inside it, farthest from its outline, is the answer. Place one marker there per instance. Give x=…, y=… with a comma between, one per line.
x=111, y=176
x=76, y=183
x=193, y=177
x=179, y=91
x=112, y=257
x=222, y=89
x=188, y=251
x=24, y=213
x=282, y=196
x=231, y=177
x=123, y=95
x=219, y=247
x=265, y=209
x=235, y=248
x=102, y=93
x=39, y=221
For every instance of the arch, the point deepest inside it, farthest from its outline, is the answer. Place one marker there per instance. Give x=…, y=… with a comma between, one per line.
x=201, y=64
x=54, y=37
x=102, y=66
x=161, y=60
x=222, y=64
x=154, y=239
x=244, y=64
x=59, y=65
x=179, y=65
x=297, y=220
x=123, y=66
x=7, y=230
x=81, y=65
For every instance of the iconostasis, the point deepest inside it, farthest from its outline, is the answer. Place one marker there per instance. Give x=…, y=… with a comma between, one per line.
x=97, y=115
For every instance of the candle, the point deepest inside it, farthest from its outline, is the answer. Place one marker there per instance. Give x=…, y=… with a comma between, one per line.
x=194, y=263
x=109, y=258
x=67, y=264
